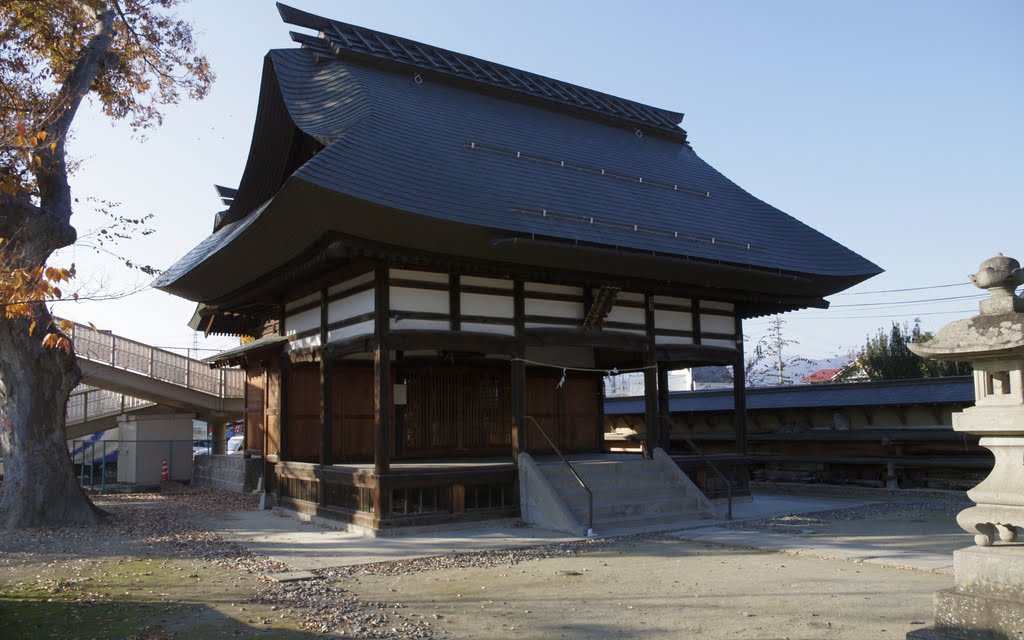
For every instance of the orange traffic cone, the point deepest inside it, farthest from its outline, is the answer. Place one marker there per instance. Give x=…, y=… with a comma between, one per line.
x=165, y=473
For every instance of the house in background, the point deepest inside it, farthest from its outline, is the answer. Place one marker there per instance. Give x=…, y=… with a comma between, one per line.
x=850, y=372
x=441, y=257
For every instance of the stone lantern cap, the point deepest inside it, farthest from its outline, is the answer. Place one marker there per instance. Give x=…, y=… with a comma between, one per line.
x=998, y=332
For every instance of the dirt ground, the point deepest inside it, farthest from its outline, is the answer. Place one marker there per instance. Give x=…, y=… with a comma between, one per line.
x=665, y=588
x=152, y=573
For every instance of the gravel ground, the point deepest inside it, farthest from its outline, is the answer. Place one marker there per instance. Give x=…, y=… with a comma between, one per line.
x=154, y=525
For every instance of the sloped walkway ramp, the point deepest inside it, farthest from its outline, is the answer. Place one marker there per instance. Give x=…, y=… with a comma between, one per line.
x=630, y=494
x=136, y=375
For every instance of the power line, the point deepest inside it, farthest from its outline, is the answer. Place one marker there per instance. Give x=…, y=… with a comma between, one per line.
x=824, y=316
x=976, y=296
x=867, y=293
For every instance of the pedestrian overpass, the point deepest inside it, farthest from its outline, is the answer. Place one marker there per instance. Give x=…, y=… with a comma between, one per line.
x=121, y=376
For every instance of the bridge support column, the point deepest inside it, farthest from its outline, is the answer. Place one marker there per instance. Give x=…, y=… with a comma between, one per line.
x=219, y=432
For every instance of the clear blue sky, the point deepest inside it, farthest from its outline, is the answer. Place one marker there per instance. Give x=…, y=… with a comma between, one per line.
x=894, y=127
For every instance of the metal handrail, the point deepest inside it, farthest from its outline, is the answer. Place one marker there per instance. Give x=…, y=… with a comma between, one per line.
x=159, y=364
x=590, y=494
x=705, y=459
x=90, y=404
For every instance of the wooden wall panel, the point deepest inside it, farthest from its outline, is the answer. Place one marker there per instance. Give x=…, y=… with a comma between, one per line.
x=541, y=402
x=254, y=409
x=453, y=409
x=581, y=421
x=570, y=415
x=353, y=400
x=303, y=388
x=272, y=419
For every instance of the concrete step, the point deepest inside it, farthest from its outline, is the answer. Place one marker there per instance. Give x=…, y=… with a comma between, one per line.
x=603, y=478
x=634, y=508
x=648, y=524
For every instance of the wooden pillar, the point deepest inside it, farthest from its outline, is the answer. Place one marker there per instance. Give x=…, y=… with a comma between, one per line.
x=650, y=381
x=664, y=429
x=455, y=301
x=518, y=381
x=381, y=374
x=739, y=391
x=326, y=386
x=283, y=364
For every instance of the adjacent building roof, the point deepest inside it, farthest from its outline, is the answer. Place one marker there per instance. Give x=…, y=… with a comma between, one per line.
x=373, y=136
x=821, y=375
x=958, y=389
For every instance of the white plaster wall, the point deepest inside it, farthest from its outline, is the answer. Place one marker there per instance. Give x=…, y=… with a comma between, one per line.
x=717, y=324
x=554, y=308
x=728, y=344
x=630, y=296
x=299, y=322
x=481, y=304
x=350, y=283
x=350, y=306
x=674, y=320
x=426, y=300
x=360, y=329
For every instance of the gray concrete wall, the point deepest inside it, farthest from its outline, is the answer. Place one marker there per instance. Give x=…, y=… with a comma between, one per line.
x=230, y=472
x=539, y=502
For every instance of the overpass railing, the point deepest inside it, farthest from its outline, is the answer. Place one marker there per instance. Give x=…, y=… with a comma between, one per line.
x=91, y=404
x=122, y=353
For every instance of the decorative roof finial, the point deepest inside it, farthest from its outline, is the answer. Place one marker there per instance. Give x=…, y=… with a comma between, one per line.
x=1000, y=276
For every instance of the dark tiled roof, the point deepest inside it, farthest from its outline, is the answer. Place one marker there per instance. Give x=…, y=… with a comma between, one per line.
x=959, y=389
x=339, y=40
x=456, y=154
x=415, y=142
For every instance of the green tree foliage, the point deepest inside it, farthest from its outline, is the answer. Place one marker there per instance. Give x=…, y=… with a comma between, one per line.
x=886, y=356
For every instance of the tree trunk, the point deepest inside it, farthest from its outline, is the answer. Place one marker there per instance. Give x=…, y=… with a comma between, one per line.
x=39, y=486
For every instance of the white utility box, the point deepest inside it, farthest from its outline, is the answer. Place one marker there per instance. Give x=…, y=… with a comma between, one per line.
x=147, y=441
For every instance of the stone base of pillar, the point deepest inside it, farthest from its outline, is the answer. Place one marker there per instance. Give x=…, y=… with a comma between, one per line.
x=987, y=602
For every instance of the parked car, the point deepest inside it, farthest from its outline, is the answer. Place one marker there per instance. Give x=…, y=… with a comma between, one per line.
x=235, y=444
x=201, y=448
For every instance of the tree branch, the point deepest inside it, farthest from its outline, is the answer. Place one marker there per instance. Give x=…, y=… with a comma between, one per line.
x=51, y=172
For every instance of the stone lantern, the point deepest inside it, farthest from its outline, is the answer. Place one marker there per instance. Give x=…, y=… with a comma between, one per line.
x=988, y=599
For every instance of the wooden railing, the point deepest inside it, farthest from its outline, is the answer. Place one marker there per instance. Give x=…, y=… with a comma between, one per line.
x=106, y=348
x=91, y=404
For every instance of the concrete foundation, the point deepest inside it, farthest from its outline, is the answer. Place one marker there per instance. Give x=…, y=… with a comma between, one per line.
x=987, y=602
x=229, y=472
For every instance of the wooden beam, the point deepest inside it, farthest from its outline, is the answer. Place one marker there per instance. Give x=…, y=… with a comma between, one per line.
x=652, y=438
x=381, y=376
x=326, y=386
x=583, y=338
x=663, y=409
x=695, y=318
x=455, y=301
x=485, y=343
x=519, y=372
x=739, y=392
